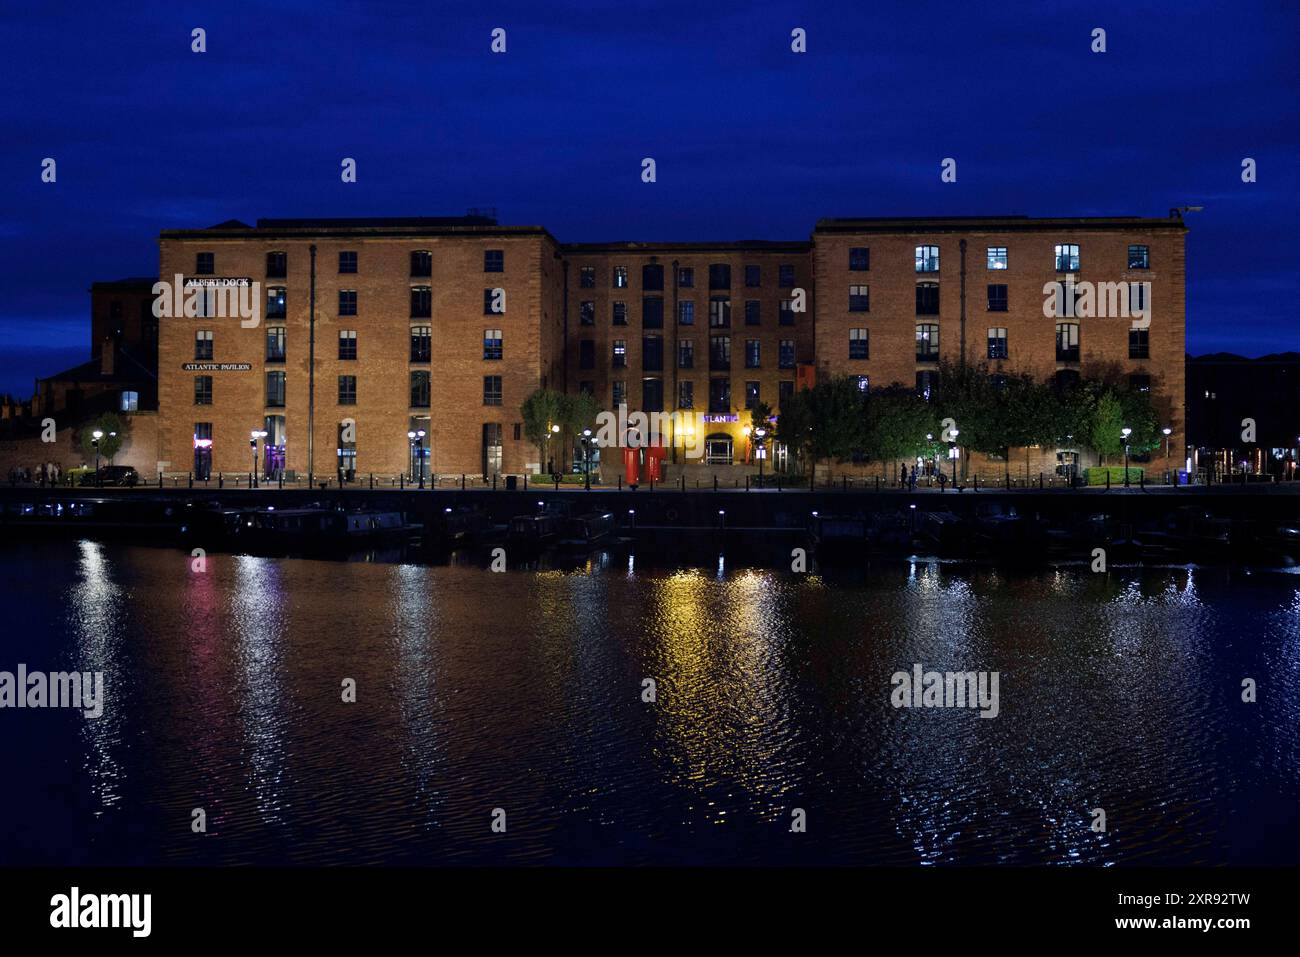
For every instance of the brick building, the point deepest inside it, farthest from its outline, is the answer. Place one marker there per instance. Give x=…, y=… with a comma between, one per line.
x=446, y=325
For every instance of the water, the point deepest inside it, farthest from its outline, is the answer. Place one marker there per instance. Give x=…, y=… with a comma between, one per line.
x=522, y=691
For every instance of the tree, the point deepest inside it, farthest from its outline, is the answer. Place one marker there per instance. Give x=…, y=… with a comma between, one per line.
x=838, y=418
x=760, y=416
x=1104, y=425
x=897, y=422
x=794, y=428
x=540, y=412
x=115, y=430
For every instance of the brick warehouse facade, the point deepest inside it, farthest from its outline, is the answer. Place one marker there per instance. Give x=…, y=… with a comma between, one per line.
x=406, y=336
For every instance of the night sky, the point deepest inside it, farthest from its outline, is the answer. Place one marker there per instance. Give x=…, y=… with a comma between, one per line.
x=752, y=141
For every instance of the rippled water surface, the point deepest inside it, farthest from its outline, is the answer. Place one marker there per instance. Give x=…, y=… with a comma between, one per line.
x=523, y=691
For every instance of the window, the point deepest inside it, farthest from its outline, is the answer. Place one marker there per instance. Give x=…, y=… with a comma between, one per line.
x=420, y=389
x=347, y=448
x=203, y=345
x=421, y=264
x=785, y=354
x=275, y=382
x=859, y=344
x=203, y=390
x=751, y=394
x=652, y=312
x=720, y=353
x=421, y=302
x=997, y=297
x=686, y=353
x=129, y=401
x=492, y=390
x=686, y=277
x=927, y=299
x=494, y=301
x=1139, y=257
x=275, y=343
x=652, y=277
x=347, y=390
x=998, y=381
x=686, y=395
x=277, y=265
x=652, y=354
x=927, y=384
x=620, y=314
x=1067, y=258
x=493, y=345
x=785, y=313
x=347, y=344
x=347, y=262
x=997, y=343
x=997, y=257
x=859, y=259
x=586, y=387
x=587, y=313
x=1137, y=298
x=205, y=264
x=784, y=390
x=587, y=277
x=785, y=276
x=652, y=395
x=753, y=276
x=620, y=354
x=719, y=395
x=1067, y=342
x=719, y=276
x=275, y=304
x=859, y=298
x=619, y=277
x=864, y=383
x=1139, y=382
x=494, y=260
x=927, y=342
x=719, y=312
x=1139, y=343
x=586, y=354
x=753, y=312
x=686, y=312
x=927, y=258
x=347, y=302
x=753, y=354
x=619, y=392
x=421, y=343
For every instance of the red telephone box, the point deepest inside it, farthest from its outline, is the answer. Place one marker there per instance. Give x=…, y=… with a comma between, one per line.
x=655, y=455
x=631, y=466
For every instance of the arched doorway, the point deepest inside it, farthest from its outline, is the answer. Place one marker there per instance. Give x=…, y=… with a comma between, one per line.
x=718, y=449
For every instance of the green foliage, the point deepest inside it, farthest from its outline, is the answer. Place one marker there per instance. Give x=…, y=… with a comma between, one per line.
x=794, y=429
x=1097, y=475
x=115, y=429
x=540, y=411
x=838, y=418
x=1104, y=425
x=897, y=422
x=760, y=417
x=577, y=412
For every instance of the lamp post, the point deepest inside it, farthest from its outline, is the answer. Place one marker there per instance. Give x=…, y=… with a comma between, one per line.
x=410, y=450
x=586, y=459
x=94, y=440
x=1126, y=432
x=760, y=433
x=550, y=430
x=253, y=436
x=419, y=448
x=1072, y=466
x=952, y=454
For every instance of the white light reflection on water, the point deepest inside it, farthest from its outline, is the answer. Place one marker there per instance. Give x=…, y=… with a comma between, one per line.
x=97, y=616
x=415, y=615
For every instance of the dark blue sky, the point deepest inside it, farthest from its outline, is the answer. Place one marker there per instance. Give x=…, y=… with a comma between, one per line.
x=751, y=140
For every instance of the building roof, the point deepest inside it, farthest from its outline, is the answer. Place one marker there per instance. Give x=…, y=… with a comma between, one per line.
x=749, y=245
x=130, y=284
x=126, y=368
x=1012, y=223
x=306, y=228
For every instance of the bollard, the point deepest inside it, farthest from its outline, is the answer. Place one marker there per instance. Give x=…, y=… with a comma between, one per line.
x=715, y=483
x=1142, y=479
x=494, y=481
x=1108, y=480
x=746, y=483
x=462, y=481
x=683, y=483
x=554, y=475
x=191, y=478
x=877, y=483
x=372, y=481
x=1040, y=481
x=221, y=480
x=401, y=481
x=846, y=483
x=977, y=481
x=281, y=474
x=620, y=481
x=652, y=482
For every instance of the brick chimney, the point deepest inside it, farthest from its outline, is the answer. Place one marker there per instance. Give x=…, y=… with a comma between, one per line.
x=107, y=357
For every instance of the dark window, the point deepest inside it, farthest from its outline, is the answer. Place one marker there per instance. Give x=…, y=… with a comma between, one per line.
x=927, y=342
x=753, y=312
x=859, y=259
x=203, y=345
x=619, y=390
x=753, y=276
x=203, y=390
x=205, y=264
x=420, y=390
x=1139, y=382
x=347, y=302
x=686, y=395
x=494, y=260
x=587, y=277
x=686, y=277
x=347, y=390
x=859, y=344
x=785, y=354
x=619, y=314
x=784, y=389
x=652, y=312
x=751, y=394
x=275, y=304
x=686, y=312
x=275, y=389
x=719, y=276
x=347, y=344
x=652, y=277
x=1067, y=342
x=719, y=395
x=859, y=298
x=587, y=313
x=277, y=265
x=785, y=276
x=927, y=299
x=586, y=387
x=491, y=390
x=997, y=343
x=719, y=312
x=997, y=298
x=586, y=354
x=720, y=353
x=785, y=313
x=652, y=395
x=753, y=354
x=421, y=302
x=347, y=262
x=652, y=354
x=1139, y=343
x=275, y=343
x=493, y=345
x=421, y=263
x=421, y=343
x=619, y=359
x=686, y=353
x=927, y=383
x=492, y=306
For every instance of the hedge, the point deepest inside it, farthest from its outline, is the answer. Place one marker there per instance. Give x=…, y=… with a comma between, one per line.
x=1097, y=475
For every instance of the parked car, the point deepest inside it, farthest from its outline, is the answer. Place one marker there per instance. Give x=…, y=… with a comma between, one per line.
x=123, y=476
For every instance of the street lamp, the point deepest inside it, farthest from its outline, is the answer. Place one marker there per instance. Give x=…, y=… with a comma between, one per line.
x=952, y=454
x=1126, y=432
x=550, y=430
x=253, y=436
x=586, y=458
x=760, y=433
x=94, y=440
